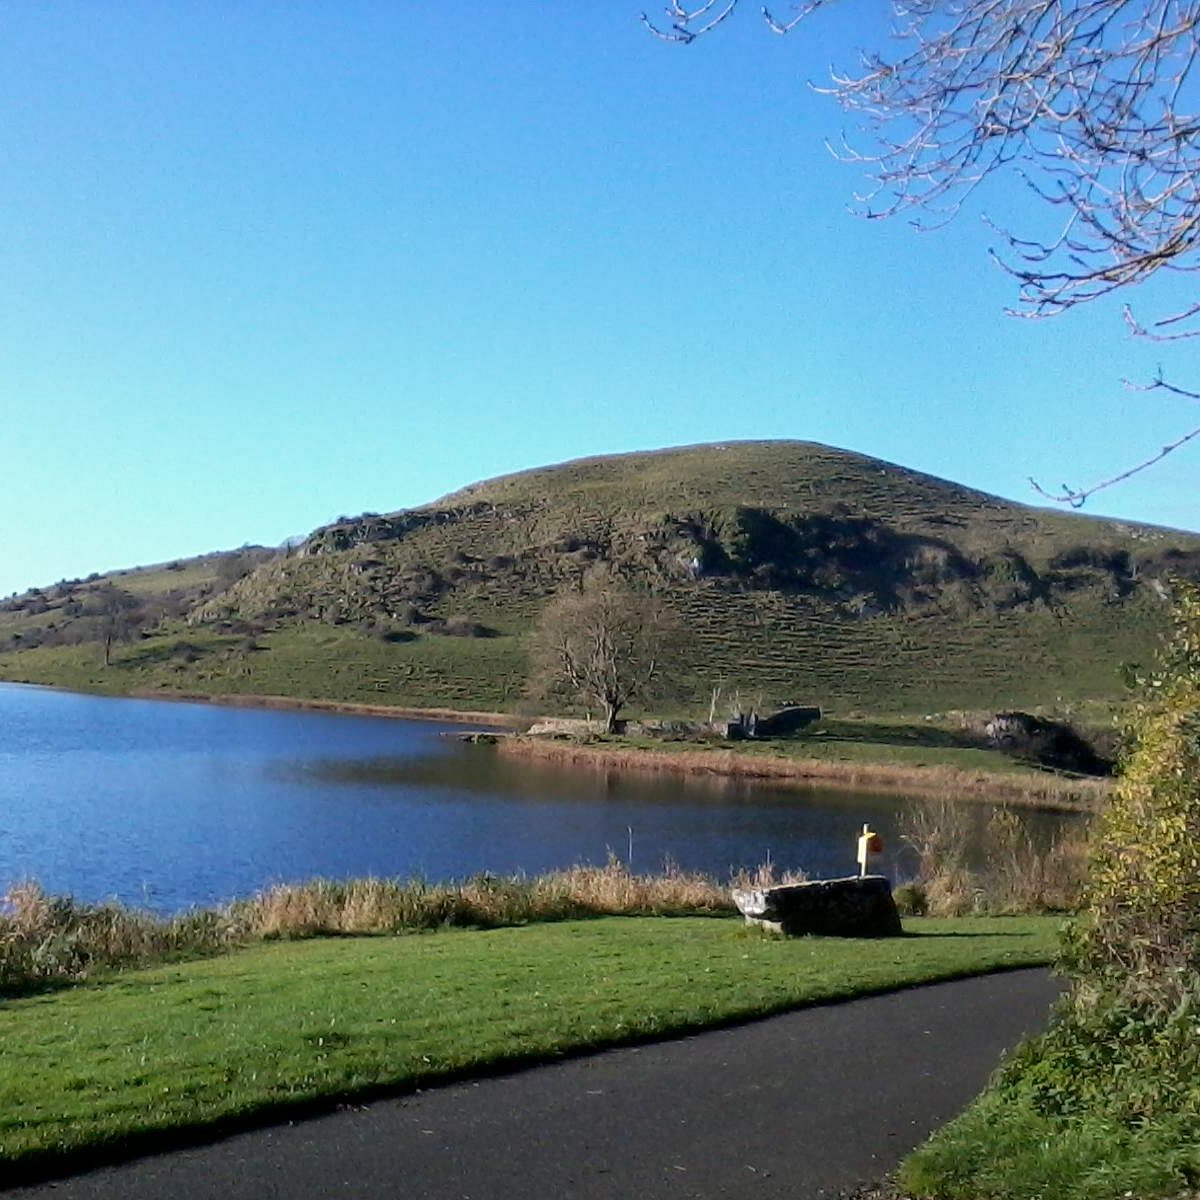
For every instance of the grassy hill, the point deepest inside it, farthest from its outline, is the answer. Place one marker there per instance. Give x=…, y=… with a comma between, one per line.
x=799, y=571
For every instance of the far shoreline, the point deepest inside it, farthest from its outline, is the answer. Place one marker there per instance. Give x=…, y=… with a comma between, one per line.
x=347, y=707
x=1051, y=792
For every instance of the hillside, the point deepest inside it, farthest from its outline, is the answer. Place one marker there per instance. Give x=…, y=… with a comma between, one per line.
x=799, y=571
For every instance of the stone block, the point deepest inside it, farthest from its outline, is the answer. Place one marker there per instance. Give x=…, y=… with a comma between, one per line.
x=854, y=907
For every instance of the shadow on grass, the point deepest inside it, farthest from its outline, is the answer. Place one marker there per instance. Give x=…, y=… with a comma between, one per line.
x=950, y=933
x=46, y=1166
x=927, y=736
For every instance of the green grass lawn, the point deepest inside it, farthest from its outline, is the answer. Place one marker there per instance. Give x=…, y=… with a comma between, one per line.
x=97, y=1069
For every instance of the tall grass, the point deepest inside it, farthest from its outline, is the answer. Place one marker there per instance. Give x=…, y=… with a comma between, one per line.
x=47, y=940
x=971, y=862
x=484, y=901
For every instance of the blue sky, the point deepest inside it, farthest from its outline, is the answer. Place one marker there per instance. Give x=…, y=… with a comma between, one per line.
x=262, y=265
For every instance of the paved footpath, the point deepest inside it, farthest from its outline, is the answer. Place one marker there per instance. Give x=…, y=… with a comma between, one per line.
x=797, y=1106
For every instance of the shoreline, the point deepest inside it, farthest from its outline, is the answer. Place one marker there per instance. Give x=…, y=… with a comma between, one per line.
x=1063, y=795
x=1050, y=791
x=345, y=707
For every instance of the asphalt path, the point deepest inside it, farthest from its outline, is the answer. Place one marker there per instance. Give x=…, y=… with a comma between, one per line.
x=798, y=1106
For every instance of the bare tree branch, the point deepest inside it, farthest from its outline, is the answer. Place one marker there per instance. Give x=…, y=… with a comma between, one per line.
x=1077, y=497
x=1095, y=103
x=681, y=20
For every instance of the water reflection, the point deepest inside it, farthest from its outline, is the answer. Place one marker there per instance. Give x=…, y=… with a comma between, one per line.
x=173, y=805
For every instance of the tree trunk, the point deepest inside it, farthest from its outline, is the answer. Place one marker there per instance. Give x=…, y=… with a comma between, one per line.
x=610, y=718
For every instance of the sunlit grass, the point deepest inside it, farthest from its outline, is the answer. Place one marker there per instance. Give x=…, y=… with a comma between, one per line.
x=291, y=1023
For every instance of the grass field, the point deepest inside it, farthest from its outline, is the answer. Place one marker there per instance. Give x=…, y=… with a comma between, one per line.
x=100, y=1069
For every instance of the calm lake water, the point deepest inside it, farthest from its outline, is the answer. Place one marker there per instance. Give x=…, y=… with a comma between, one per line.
x=171, y=805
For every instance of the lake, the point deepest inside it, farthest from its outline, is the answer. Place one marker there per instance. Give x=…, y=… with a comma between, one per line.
x=172, y=805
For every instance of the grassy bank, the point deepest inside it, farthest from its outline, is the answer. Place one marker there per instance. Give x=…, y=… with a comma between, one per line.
x=104, y=1068
x=842, y=763
x=1104, y=1106
x=300, y=704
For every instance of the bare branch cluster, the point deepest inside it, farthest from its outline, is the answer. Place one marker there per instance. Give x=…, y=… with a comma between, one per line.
x=1096, y=103
x=1094, y=100
x=687, y=24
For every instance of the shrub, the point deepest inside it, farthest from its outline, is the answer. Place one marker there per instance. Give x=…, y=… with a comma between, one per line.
x=912, y=900
x=1139, y=941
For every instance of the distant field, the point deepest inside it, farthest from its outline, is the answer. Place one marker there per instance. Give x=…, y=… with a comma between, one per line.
x=880, y=666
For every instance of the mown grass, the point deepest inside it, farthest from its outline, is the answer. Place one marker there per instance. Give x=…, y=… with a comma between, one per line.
x=106, y=1067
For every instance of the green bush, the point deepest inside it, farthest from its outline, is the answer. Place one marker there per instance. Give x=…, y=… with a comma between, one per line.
x=1138, y=941
x=1106, y=1104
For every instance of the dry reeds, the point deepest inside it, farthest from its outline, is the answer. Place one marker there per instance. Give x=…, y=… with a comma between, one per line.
x=46, y=939
x=967, y=864
x=54, y=939
x=1044, y=790
x=389, y=906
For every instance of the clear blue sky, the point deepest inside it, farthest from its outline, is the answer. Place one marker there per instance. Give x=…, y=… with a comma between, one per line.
x=266, y=264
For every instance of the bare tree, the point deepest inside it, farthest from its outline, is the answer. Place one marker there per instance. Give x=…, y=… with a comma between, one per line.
x=116, y=615
x=1093, y=102
x=605, y=645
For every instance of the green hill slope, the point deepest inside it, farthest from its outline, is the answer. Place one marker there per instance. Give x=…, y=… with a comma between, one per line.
x=799, y=571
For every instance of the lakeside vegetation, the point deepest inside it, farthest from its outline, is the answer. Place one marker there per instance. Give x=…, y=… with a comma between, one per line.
x=49, y=941
x=108, y=1068
x=840, y=754
x=1106, y=1104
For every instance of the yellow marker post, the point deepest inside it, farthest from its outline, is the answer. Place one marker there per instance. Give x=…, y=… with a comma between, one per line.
x=869, y=842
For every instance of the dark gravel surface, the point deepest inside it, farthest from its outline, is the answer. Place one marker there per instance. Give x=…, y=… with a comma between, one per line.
x=804, y=1105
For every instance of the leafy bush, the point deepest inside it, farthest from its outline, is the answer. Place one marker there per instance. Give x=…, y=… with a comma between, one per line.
x=1106, y=1104
x=1139, y=941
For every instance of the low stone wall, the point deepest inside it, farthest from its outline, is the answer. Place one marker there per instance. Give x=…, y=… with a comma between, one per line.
x=571, y=726
x=852, y=907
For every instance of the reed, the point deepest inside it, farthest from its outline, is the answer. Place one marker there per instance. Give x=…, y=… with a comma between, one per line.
x=1041, y=789
x=47, y=940
x=483, y=901
x=1008, y=874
